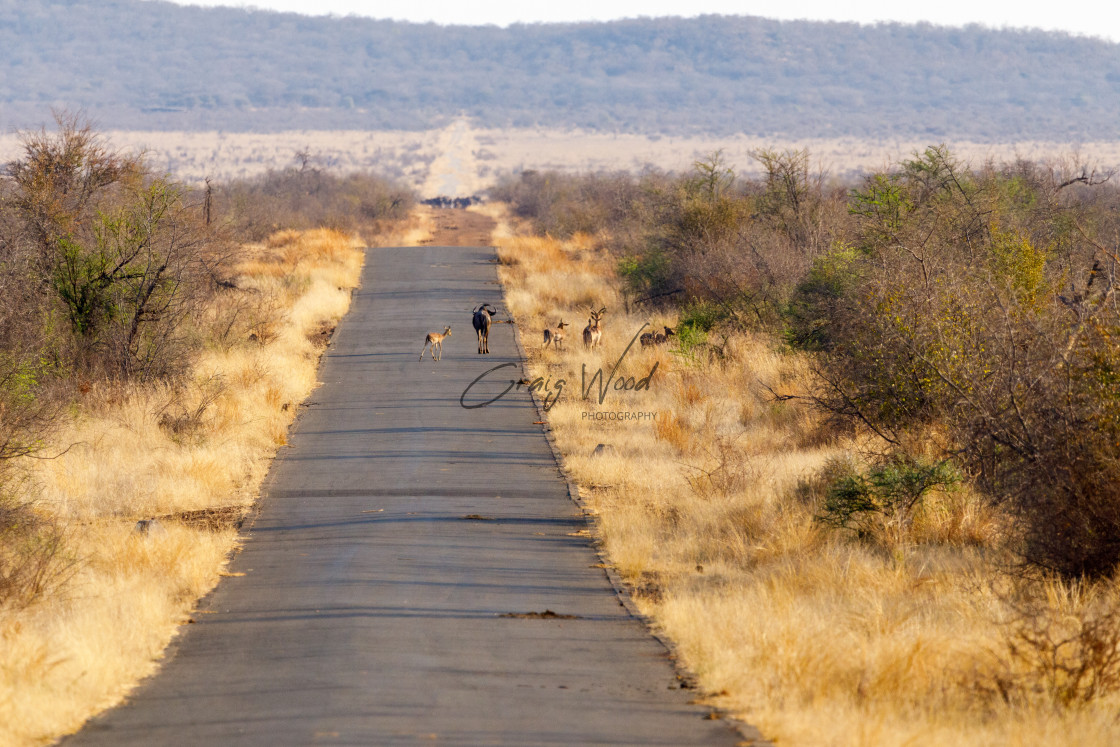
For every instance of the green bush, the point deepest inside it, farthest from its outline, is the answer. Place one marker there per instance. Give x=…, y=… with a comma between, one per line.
x=646, y=274
x=813, y=304
x=701, y=316
x=697, y=321
x=892, y=490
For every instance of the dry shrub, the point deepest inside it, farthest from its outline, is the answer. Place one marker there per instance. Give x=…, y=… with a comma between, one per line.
x=32, y=557
x=723, y=471
x=241, y=314
x=123, y=259
x=880, y=503
x=564, y=206
x=981, y=303
x=961, y=517
x=1061, y=645
x=812, y=489
x=308, y=198
x=182, y=418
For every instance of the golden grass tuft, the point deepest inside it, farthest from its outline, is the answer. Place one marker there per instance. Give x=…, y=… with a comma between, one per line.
x=709, y=512
x=670, y=429
x=200, y=448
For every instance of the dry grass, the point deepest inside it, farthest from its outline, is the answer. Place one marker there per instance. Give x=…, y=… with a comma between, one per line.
x=709, y=513
x=413, y=231
x=194, y=457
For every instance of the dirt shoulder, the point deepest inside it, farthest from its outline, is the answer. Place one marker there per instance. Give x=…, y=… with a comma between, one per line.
x=459, y=227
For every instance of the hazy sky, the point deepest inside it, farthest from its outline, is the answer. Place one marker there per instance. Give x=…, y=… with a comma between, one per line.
x=1089, y=17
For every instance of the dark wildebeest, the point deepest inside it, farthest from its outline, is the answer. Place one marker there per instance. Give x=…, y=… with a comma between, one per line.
x=657, y=338
x=482, y=326
x=661, y=338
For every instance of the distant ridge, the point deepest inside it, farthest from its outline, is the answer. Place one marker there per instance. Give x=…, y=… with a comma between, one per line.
x=148, y=64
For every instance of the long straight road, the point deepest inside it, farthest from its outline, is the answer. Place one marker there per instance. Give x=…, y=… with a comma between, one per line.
x=406, y=550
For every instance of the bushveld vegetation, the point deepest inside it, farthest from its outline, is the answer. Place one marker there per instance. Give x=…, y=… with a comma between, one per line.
x=308, y=196
x=151, y=360
x=878, y=503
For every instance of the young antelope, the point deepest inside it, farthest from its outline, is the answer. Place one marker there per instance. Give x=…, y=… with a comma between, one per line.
x=555, y=336
x=435, y=339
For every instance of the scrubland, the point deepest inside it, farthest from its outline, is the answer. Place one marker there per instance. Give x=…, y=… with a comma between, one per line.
x=913, y=627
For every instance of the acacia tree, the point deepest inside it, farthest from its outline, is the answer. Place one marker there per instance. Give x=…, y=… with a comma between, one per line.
x=129, y=290
x=119, y=253
x=62, y=178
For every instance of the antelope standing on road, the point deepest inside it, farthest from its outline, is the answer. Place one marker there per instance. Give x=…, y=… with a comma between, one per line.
x=592, y=334
x=555, y=336
x=481, y=323
x=435, y=339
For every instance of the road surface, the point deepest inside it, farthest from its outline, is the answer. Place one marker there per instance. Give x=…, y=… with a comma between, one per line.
x=417, y=572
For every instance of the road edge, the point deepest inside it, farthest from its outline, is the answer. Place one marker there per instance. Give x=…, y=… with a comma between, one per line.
x=687, y=678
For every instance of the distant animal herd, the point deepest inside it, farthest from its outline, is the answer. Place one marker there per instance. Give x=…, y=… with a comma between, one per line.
x=482, y=317
x=458, y=203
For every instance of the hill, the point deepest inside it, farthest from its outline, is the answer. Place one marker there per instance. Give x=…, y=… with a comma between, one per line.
x=148, y=64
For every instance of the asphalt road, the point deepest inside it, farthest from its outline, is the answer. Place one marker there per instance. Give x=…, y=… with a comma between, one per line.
x=406, y=550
